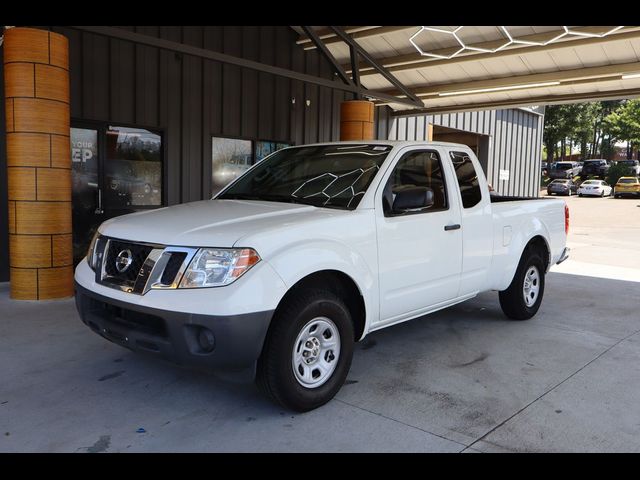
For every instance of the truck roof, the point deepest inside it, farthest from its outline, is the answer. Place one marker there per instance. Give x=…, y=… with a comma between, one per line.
x=395, y=143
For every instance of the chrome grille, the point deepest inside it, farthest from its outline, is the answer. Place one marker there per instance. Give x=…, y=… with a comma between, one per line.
x=139, y=254
x=136, y=267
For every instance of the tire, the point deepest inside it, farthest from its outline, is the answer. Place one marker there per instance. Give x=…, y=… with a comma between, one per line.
x=602, y=194
x=275, y=374
x=580, y=195
x=512, y=300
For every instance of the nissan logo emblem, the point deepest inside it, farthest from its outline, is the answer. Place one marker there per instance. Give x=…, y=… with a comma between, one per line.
x=124, y=260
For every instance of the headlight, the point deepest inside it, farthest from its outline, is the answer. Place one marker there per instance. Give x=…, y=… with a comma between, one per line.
x=91, y=253
x=215, y=267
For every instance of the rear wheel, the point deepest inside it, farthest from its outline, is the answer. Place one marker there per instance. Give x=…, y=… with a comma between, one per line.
x=602, y=194
x=522, y=299
x=308, y=351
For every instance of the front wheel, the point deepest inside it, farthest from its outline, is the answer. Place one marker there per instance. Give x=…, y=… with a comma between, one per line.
x=308, y=351
x=522, y=299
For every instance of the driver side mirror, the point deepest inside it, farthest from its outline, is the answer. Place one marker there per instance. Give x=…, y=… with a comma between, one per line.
x=413, y=199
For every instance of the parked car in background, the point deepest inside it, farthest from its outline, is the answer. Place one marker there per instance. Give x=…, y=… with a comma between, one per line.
x=598, y=167
x=627, y=187
x=562, y=186
x=565, y=170
x=632, y=165
x=595, y=188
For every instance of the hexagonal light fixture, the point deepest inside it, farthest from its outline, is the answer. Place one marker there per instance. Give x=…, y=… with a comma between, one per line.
x=588, y=34
x=510, y=40
x=452, y=33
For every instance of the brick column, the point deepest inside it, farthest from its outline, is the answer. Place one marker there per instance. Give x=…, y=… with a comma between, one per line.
x=36, y=77
x=356, y=120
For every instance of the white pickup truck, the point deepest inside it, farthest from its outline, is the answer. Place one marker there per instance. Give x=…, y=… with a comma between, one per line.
x=308, y=252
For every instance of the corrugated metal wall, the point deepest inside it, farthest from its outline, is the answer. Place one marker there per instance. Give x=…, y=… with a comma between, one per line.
x=191, y=99
x=515, y=143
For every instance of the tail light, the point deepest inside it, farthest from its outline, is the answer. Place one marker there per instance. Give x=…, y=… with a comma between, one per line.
x=566, y=219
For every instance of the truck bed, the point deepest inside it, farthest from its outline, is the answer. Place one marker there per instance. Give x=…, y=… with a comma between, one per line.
x=507, y=198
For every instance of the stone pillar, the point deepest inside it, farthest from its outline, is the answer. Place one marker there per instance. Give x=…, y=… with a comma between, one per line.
x=36, y=78
x=356, y=120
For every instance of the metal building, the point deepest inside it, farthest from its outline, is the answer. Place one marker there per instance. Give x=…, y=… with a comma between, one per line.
x=508, y=142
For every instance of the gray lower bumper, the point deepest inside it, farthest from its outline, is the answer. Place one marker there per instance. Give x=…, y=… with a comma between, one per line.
x=174, y=335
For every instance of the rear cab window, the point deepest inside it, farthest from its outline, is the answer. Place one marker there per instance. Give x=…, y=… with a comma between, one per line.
x=467, y=177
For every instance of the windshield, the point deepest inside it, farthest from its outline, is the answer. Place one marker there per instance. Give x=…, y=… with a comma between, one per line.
x=629, y=162
x=333, y=176
x=628, y=180
x=592, y=182
x=560, y=181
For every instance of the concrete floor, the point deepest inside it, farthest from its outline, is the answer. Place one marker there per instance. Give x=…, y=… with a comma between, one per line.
x=464, y=379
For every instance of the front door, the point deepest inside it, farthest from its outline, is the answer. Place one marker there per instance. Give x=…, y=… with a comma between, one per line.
x=419, y=259
x=116, y=170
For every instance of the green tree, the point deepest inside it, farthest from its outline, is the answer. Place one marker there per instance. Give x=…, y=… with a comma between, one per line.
x=624, y=124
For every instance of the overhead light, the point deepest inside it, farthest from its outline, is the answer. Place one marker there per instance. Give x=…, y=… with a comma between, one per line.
x=498, y=89
x=633, y=75
x=460, y=46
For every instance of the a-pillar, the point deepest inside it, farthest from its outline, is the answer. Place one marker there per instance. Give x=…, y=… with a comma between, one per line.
x=36, y=78
x=356, y=120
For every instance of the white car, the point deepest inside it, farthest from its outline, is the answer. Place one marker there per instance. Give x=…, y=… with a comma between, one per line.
x=309, y=251
x=595, y=188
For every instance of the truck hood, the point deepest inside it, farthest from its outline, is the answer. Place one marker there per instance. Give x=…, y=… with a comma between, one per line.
x=208, y=223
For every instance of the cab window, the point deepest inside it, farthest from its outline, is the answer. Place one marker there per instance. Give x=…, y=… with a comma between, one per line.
x=467, y=179
x=421, y=168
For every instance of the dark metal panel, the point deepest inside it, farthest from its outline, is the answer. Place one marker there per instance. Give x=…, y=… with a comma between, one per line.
x=337, y=97
x=311, y=97
x=266, y=83
x=324, y=104
x=122, y=63
x=283, y=43
x=95, y=77
x=191, y=119
x=213, y=41
x=249, y=93
x=146, y=77
x=231, y=83
x=170, y=114
x=297, y=96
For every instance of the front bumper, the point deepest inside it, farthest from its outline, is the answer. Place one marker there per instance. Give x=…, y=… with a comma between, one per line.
x=173, y=335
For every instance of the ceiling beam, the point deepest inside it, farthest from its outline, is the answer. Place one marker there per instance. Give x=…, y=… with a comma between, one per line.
x=588, y=74
x=369, y=32
x=526, y=102
x=325, y=33
x=174, y=46
x=415, y=60
x=329, y=56
x=380, y=69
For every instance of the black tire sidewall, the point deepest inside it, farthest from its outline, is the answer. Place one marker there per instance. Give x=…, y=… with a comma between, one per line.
x=293, y=393
x=532, y=259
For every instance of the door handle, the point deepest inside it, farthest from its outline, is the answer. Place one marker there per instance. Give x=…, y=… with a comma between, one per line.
x=99, y=210
x=452, y=227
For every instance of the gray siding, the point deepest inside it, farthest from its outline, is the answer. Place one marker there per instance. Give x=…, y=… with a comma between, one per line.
x=515, y=142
